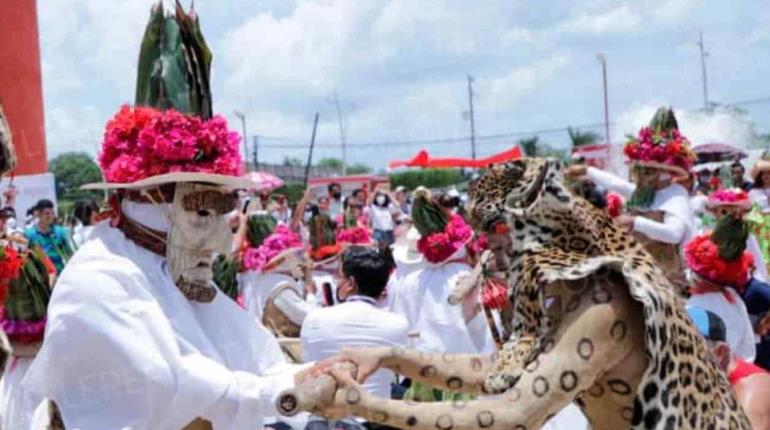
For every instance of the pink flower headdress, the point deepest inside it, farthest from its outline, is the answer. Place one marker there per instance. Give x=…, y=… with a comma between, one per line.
x=281, y=240
x=142, y=142
x=734, y=197
x=439, y=247
x=661, y=145
x=354, y=236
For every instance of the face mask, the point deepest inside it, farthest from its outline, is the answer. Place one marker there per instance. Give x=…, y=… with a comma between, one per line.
x=197, y=230
x=337, y=194
x=380, y=200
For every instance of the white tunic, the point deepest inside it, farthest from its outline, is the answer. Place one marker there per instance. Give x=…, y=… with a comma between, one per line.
x=740, y=333
x=678, y=226
x=18, y=404
x=125, y=349
x=421, y=297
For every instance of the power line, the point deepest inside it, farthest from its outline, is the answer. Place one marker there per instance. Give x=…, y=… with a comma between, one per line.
x=441, y=141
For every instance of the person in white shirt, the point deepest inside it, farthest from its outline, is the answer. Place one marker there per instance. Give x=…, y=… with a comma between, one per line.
x=357, y=321
x=720, y=265
x=659, y=216
x=423, y=293
x=85, y=213
x=335, y=199
x=383, y=213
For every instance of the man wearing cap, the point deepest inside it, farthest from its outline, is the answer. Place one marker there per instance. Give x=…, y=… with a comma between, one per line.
x=659, y=216
x=751, y=383
x=138, y=335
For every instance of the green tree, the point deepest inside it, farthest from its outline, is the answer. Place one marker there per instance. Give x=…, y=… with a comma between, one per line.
x=331, y=163
x=359, y=169
x=429, y=178
x=529, y=146
x=292, y=161
x=72, y=170
x=580, y=138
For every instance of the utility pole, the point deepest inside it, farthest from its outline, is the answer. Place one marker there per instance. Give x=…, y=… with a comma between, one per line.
x=255, y=152
x=240, y=115
x=603, y=60
x=310, y=153
x=470, y=112
x=703, y=55
x=343, y=139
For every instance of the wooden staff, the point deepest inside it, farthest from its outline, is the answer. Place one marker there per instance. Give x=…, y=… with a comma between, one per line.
x=312, y=394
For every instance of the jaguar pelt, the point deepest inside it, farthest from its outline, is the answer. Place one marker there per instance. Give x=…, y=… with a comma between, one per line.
x=558, y=237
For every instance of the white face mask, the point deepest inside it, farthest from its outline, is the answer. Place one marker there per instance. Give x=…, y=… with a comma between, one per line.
x=380, y=200
x=198, y=230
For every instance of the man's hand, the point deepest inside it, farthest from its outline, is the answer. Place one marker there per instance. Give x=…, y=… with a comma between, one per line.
x=346, y=385
x=575, y=171
x=626, y=222
x=763, y=326
x=367, y=360
x=316, y=370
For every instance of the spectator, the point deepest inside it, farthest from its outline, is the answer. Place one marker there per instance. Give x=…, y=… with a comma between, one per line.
x=11, y=227
x=739, y=176
x=52, y=238
x=751, y=383
x=356, y=322
x=383, y=214
x=403, y=202
x=359, y=196
x=85, y=216
x=335, y=199
x=280, y=210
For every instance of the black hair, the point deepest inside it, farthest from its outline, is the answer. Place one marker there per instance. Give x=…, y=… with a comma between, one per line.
x=332, y=185
x=10, y=211
x=44, y=204
x=84, y=209
x=591, y=192
x=357, y=191
x=370, y=267
x=387, y=200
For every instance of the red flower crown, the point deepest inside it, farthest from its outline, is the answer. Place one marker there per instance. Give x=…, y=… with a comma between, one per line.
x=667, y=147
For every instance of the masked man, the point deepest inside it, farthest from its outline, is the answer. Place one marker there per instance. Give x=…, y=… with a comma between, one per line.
x=659, y=214
x=138, y=335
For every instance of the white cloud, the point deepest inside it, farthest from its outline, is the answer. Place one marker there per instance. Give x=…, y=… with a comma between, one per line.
x=621, y=19
x=627, y=17
x=502, y=92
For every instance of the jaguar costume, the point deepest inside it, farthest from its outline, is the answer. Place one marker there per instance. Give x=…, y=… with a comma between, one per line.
x=595, y=323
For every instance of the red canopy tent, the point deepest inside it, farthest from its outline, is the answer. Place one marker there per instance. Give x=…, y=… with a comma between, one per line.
x=424, y=160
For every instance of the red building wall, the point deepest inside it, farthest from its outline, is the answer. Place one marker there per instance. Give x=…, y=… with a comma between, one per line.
x=21, y=91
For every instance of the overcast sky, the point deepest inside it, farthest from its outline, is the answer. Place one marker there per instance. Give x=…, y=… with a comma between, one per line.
x=399, y=68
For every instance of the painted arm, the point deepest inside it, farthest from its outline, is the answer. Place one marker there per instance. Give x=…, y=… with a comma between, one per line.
x=583, y=349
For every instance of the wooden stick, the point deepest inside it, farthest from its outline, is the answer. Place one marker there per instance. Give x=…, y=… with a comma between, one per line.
x=308, y=396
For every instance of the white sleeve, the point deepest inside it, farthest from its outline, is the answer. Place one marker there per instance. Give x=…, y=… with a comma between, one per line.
x=760, y=272
x=293, y=306
x=671, y=230
x=611, y=182
x=248, y=393
x=748, y=342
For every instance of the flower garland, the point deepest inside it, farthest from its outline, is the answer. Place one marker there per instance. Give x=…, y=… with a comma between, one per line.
x=702, y=256
x=729, y=195
x=281, y=240
x=614, y=204
x=10, y=269
x=140, y=142
x=354, y=236
x=667, y=147
x=438, y=247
